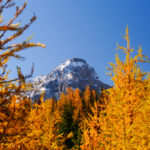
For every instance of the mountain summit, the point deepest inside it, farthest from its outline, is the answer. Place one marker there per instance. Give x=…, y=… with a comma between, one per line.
x=75, y=73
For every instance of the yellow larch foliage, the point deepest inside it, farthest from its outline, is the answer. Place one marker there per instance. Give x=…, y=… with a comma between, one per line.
x=124, y=120
x=127, y=101
x=14, y=106
x=77, y=103
x=91, y=125
x=91, y=131
x=42, y=123
x=87, y=96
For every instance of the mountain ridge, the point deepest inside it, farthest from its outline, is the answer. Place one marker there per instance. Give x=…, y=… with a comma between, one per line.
x=74, y=72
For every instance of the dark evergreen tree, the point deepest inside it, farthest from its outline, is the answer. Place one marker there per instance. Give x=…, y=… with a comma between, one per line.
x=69, y=128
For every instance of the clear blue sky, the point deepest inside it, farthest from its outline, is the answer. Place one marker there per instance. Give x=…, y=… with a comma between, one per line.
x=88, y=29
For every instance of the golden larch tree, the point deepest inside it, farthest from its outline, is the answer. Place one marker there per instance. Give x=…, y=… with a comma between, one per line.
x=123, y=121
x=14, y=106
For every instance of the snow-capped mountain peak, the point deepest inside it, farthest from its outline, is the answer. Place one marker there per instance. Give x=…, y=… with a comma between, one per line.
x=72, y=62
x=75, y=73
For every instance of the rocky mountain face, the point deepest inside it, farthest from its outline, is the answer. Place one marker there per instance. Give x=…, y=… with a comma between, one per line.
x=75, y=73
